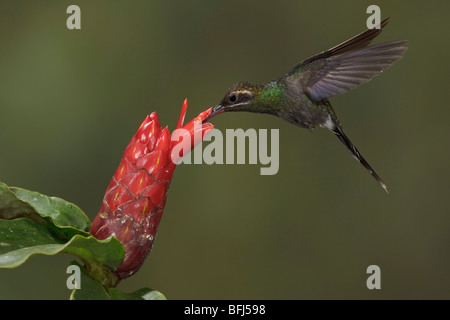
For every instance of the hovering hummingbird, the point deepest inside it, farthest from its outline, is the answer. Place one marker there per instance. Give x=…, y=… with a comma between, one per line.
x=301, y=96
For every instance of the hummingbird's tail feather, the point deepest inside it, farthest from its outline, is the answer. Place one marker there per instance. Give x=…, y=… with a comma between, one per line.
x=337, y=130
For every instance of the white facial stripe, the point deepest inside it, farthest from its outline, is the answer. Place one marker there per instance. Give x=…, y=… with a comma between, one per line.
x=240, y=104
x=243, y=92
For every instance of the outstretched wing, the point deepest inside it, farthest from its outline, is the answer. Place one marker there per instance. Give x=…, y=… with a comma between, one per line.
x=359, y=41
x=348, y=64
x=344, y=72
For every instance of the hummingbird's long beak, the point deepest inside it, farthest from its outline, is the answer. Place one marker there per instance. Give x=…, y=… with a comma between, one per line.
x=215, y=111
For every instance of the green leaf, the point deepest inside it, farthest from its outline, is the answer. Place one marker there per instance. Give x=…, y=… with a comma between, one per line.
x=90, y=289
x=141, y=294
x=109, y=252
x=61, y=217
x=63, y=213
x=38, y=224
x=11, y=207
x=21, y=238
x=33, y=223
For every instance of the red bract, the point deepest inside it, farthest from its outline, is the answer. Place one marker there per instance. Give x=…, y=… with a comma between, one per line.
x=135, y=198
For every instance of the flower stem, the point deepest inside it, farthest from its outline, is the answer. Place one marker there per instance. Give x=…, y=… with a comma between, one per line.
x=101, y=273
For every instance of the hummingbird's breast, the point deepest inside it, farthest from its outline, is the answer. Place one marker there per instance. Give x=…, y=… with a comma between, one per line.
x=299, y=109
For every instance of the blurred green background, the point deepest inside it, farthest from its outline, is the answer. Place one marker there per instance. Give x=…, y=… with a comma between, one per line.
x=71, y=100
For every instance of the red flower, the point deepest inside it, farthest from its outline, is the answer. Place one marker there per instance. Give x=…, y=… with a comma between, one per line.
x=135, y=198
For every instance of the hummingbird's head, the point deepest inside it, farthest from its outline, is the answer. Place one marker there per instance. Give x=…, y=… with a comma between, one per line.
x=239, y=97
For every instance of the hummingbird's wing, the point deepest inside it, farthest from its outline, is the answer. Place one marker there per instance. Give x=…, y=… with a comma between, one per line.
x=359, y=41
x=347, y=65
x=340, y=73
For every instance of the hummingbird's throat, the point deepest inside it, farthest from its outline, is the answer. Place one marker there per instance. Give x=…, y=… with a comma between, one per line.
x=272, y=94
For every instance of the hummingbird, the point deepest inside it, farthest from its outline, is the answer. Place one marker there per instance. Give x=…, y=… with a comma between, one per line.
x=301, y=95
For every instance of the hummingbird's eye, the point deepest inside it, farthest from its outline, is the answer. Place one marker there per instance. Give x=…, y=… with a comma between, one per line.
x=233, y=98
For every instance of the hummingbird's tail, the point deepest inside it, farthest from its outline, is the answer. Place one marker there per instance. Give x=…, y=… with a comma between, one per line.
x=335, y=127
